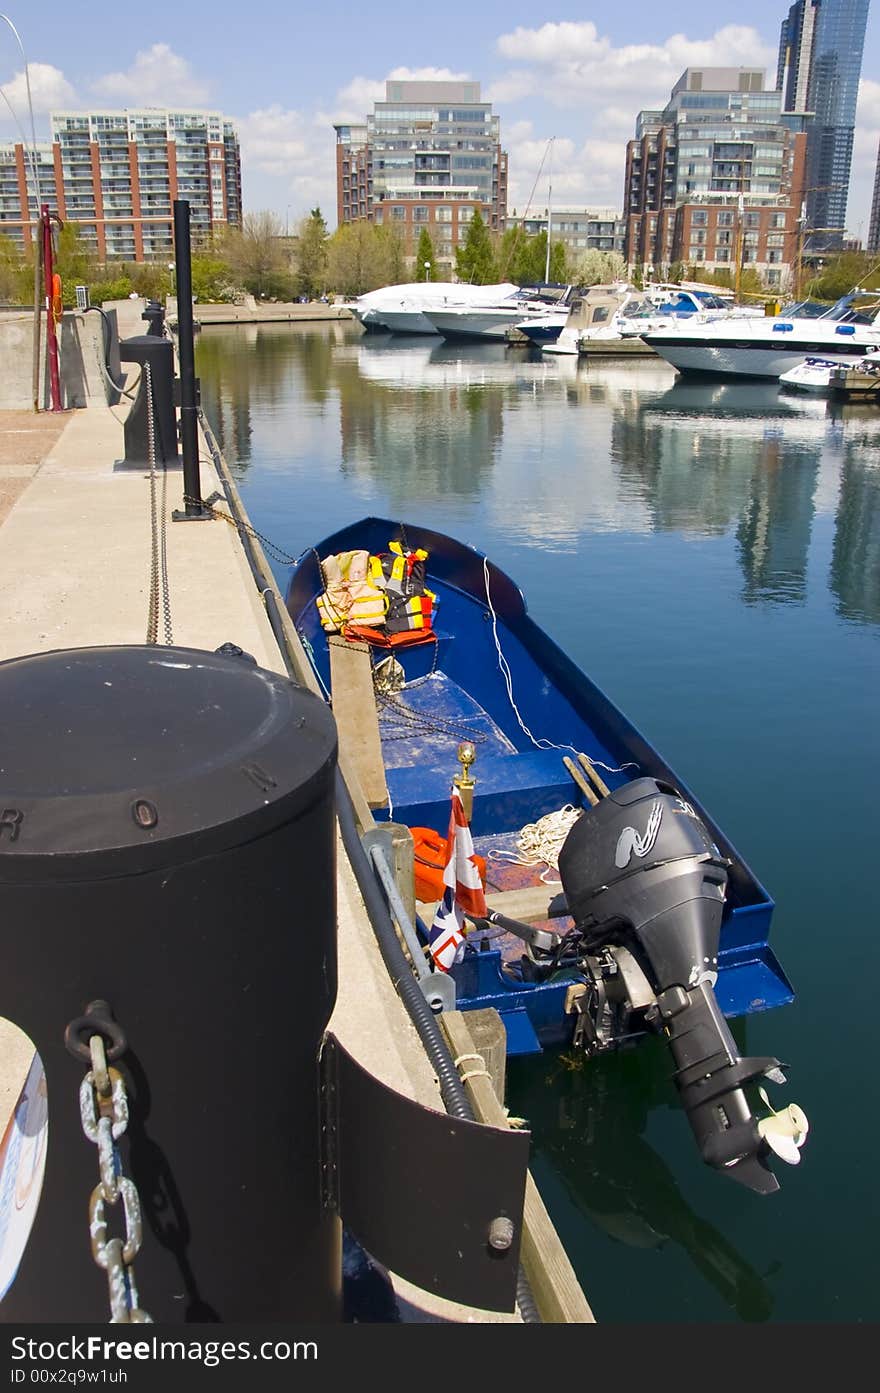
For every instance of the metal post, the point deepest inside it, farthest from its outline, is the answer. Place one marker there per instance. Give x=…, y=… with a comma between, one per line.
x=194, y=509
x=51, y=336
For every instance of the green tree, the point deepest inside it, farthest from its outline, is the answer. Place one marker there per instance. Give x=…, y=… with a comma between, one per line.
x=257, y=257
x=676, y=272
x=11, y=272
x=425, y=255
x=311, y=255
x=596, y=267
x=393, y=252
x=361, y=257
x=841, y=274
x=475, y=261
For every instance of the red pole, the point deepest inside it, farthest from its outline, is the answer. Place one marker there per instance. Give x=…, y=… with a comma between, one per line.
x=51, y=337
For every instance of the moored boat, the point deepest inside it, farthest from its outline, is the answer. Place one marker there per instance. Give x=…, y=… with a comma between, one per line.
x=656, y=922
x=771, y=345
x=824, y=376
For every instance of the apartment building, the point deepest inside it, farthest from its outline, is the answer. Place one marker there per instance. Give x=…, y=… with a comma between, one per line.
x=426, y=157
x=117, y=173
x=581, y=229
x=716, y=178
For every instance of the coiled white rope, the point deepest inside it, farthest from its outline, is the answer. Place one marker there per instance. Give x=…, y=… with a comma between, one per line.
x=541, y=841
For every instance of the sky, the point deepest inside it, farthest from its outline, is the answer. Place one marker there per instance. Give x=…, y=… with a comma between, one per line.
x=287, y=72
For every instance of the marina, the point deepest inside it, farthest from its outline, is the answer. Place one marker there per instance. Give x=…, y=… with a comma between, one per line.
x=709, y=540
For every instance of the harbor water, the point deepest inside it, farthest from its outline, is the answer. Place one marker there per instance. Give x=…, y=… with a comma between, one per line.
x=710, y=554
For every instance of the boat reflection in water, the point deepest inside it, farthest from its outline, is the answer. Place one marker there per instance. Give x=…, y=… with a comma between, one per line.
x=588, y=1123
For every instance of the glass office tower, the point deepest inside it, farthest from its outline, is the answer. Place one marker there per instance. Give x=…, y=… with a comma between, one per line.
x=820, y=60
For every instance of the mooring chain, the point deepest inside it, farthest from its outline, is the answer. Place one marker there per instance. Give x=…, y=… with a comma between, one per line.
x=103, y=1103
x=159, y=549
x=245, y=529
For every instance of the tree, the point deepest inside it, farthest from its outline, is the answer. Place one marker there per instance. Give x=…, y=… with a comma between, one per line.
x=528, y=265
x=475, y=261
x=311, y=255
x=425, y=254
x=256, y=255
x=595, y=267
x=841, y=274
x=361, y=257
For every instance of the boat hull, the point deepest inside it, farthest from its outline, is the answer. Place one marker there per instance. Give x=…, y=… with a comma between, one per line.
x=405, y=322
x=747, y=356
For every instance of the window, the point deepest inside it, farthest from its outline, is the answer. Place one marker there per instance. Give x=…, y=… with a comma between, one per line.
x=420, y=213
x=398, y=213
x=443, y=215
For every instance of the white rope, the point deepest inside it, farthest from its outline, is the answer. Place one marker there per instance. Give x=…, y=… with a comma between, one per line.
x=541, y=841
x=539, y=744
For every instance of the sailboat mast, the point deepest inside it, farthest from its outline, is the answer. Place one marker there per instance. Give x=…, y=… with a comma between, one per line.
x=549, y=199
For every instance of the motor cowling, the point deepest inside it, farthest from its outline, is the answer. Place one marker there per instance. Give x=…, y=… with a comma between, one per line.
x=641, y=872
x=643, y=856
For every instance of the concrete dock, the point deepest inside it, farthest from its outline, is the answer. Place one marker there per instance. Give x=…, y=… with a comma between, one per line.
x=75, y=570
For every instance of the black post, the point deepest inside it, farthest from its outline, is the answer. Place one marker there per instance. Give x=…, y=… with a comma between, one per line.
x=167, y=844
x=189, y=420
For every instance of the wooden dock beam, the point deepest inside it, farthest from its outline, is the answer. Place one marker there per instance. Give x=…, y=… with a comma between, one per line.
x=555, y=1287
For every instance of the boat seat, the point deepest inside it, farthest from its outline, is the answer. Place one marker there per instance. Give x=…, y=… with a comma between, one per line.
x=532, y=782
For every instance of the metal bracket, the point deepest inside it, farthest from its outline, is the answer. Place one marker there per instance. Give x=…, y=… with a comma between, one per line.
x=422, y=1191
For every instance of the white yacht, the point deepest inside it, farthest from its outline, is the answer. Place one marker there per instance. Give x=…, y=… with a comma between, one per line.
x=493, y=320
x=817, y=375
x=620, y=312
x=771, y=345
x=400, y=309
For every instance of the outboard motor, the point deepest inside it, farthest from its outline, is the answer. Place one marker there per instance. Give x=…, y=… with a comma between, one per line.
x=645, y=884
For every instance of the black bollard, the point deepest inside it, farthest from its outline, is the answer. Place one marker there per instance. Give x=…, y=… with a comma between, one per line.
x=167, y=847
x=189, y=407
x=157, y=354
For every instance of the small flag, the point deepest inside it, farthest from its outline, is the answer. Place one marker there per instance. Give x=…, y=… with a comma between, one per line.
x=463, y=893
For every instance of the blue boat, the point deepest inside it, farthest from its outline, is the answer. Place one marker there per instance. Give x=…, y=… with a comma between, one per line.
x=645, y=918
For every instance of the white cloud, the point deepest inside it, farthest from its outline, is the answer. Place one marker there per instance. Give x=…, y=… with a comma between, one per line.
x=286, y=164
x=355, y=100
x=570, y=64
x=49, y=90
x=157, y=77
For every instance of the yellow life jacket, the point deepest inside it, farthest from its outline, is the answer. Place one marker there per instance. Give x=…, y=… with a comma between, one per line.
x=351, y=594
x=410, y=602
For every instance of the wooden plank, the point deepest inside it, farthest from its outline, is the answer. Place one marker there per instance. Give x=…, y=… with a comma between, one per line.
x=354, y=707
x=529, y=905
x=555, y=1287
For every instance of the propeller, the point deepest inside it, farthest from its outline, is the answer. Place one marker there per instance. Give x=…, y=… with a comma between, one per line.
x=784, y=1132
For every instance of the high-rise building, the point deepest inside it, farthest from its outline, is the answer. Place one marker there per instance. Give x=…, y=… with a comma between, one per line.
x=116, y=174
x=874, y=223
x=715, y=179
x=426, y=157
x=820, y=60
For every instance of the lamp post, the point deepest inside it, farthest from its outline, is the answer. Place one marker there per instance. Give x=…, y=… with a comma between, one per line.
x=427, y=266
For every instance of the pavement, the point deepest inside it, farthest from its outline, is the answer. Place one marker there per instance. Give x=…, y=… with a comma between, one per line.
x=75, y=570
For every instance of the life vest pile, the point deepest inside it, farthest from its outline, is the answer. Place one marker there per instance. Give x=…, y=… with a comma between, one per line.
x=382, y=599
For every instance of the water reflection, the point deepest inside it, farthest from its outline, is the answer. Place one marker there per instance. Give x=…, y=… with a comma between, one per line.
x=855, y=559
x=589, y=1121
x=554, y=448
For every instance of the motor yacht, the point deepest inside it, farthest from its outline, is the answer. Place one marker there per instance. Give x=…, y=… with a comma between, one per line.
x=399, y=309
x=769, y=346
x=493, y=320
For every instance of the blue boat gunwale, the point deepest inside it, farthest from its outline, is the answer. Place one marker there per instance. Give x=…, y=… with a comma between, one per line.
x=460, y=566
